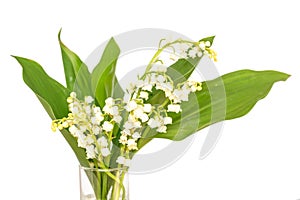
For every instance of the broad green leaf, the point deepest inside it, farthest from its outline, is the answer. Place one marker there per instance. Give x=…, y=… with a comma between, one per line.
x=104, y=80
x=76, y=72
x=45, y=87
x=53, y=97
x=242, y=91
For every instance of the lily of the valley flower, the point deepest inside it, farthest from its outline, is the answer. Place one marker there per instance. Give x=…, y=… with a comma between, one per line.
x=174, y=108
x=107, y=126
x=123, y=161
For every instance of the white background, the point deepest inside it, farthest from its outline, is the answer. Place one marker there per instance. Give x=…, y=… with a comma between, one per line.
x=257, y=157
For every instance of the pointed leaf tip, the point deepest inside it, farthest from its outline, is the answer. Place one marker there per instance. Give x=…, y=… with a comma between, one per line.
x=21, y=60
x=15, y=57
x=59, y=34
x=209, y=39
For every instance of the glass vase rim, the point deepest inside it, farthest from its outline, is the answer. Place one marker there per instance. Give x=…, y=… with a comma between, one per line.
x=103, y=170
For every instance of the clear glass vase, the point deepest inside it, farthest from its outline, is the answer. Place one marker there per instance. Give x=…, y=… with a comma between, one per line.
x=103, y=184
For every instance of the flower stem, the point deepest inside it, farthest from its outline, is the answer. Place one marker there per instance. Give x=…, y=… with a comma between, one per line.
x=160, y=50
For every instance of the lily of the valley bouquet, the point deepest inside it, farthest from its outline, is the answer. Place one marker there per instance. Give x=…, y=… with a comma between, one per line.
x=107, y=124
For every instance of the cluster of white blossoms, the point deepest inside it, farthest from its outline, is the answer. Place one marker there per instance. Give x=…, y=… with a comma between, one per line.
x=131, y=118
x=86, y=122
x=141, y=113
x=93, y=127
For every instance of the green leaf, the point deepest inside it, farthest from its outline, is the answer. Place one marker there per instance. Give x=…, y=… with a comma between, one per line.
x=45, y=87
x=47, y=107
x=104, y=80
x=53, y=97
x=231, y=96
x=181, y=70
x=77, y=74
x=71, y=61
x=209, y=39
x=82, y=85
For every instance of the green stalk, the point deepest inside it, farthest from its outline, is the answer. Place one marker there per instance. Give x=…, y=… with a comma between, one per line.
x=98, y=183
x=124, y=192
x=114, y=177
x=118, y=187
x=162, y=49
x=104, y=186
